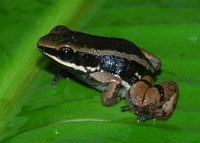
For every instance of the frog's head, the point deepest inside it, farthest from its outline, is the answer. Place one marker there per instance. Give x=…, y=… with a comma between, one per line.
x=57, y=39
x=59, y=46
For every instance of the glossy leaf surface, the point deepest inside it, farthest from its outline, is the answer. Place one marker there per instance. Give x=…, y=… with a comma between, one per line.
x=32, y=110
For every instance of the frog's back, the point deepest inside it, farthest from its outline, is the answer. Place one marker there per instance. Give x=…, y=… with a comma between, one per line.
x=64, y=35
x=107, y=43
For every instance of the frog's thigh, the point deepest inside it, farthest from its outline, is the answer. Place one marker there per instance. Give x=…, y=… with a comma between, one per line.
x=138, y=90
x=163, y=93
x=114, y=84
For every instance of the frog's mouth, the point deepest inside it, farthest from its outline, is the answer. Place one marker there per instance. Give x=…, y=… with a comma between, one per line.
x=47, y=51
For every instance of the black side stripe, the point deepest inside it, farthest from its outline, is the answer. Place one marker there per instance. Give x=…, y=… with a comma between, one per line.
x=146, y=82
x=161, y=91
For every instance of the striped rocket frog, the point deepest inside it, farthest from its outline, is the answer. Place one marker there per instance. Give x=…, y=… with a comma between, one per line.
x=115, y=66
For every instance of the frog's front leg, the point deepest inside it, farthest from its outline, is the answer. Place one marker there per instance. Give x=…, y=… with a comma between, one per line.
x=114, y=83
x=59, y=75
x=149, y=101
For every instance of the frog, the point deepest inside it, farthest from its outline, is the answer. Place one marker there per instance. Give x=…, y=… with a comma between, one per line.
x=115, y=66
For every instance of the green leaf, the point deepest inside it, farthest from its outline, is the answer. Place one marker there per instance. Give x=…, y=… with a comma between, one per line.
x=31, y=110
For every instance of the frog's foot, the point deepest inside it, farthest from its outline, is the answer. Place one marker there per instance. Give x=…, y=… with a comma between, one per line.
x=166, y=93
x=109, y=94
x=58, y=76
x=168, y=99
x=141, y=118
x=149, y=101
x=125, y=108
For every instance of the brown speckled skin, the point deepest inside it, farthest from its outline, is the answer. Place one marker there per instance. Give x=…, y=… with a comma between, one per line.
x=149, y=101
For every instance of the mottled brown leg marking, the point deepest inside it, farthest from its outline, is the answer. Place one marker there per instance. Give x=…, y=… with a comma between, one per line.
x=114, y=84
x=170, y=96
x=138, y=90
x=149, y=101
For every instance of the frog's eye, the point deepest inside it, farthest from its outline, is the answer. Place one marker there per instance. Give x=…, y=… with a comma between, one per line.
x=65, y=54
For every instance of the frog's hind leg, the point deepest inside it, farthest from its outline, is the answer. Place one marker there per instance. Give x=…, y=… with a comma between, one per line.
x=149, y=101
x=109, y=94
x=168, y=94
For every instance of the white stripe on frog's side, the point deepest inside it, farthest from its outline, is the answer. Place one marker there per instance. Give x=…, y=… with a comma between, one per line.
x=72, y=65
x=122, y=91
x=92, y=69
x=99, y=52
